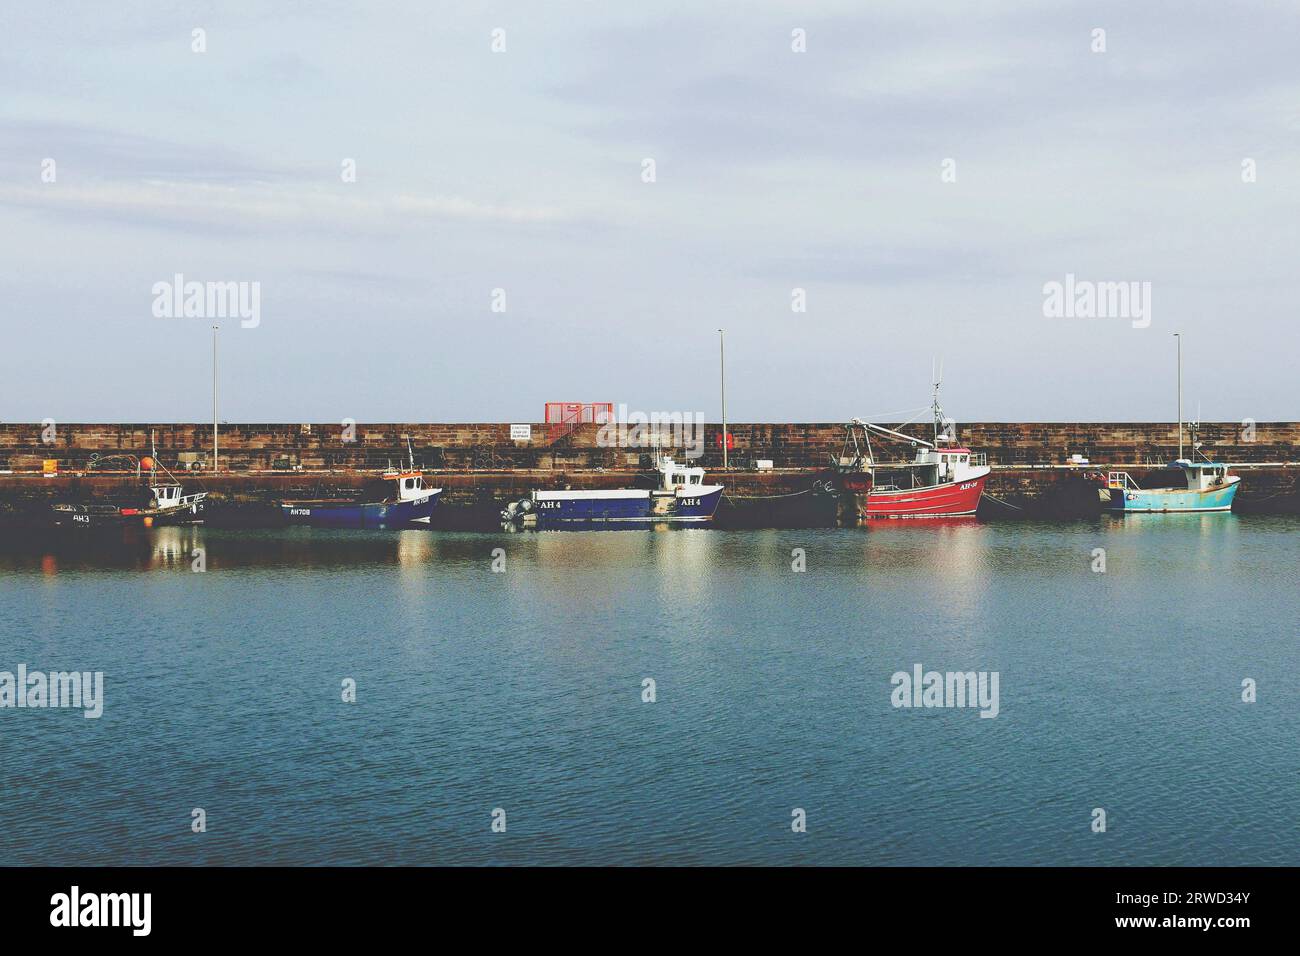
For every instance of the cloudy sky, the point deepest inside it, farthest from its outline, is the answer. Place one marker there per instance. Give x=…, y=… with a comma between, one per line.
x=523, y=170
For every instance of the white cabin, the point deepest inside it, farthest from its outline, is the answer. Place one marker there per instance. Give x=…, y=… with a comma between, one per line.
x=1202, y=476
x=677, y=476
x=169, y=498
x=952, y=464
x=410, y=485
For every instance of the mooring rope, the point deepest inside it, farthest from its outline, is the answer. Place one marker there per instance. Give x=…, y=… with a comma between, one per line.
x=1001, y=502
x=793, y=494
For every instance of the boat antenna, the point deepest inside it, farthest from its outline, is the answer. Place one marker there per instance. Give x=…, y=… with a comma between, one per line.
x=937, y=379
x=154, y=463
x=1196, y=436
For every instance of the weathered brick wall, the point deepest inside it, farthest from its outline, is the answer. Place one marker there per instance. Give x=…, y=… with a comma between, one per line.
x=485, y=447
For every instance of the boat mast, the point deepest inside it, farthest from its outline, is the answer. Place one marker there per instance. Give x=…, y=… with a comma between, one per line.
x=1179, y=337
x=937, y=380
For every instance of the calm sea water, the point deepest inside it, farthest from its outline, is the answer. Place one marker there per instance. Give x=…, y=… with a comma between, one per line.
x=522, y=690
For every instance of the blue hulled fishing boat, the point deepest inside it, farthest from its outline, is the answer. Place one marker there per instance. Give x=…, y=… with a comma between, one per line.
x=398, y=499
x=681, y=497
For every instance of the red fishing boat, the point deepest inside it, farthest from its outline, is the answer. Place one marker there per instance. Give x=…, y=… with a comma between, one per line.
x=941, y=481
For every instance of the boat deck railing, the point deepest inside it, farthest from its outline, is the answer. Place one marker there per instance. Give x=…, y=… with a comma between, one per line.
x=1120, y=481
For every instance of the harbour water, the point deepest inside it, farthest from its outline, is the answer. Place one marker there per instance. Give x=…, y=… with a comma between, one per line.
x=522, y=690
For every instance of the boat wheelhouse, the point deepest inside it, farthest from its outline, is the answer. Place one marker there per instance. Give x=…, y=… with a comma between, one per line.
x=681, y=497
x=171, y=500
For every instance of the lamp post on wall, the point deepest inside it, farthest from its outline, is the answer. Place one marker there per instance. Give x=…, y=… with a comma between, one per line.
x=1179, y=337
x=215, y=457
x=722, y=361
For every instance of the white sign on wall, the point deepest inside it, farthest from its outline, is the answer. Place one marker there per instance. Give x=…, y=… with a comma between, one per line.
x=521, y=432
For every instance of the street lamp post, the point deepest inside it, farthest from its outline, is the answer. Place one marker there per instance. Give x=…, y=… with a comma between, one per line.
x=1179, y=337
x=215, y=457
x=722, y=360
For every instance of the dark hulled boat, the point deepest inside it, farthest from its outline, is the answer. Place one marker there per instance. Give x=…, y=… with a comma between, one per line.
x=167, y=504
x=404, y=501
x=398, y=499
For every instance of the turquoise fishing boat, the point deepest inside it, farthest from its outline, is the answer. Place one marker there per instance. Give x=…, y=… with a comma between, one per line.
x=1193, y=485
x=1206, y=486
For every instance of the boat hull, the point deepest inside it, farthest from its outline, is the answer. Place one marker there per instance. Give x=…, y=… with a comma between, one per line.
x=1171, y=500
x=103, y=516
x=376, y=515
x=621, y=508
x=936, y=501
